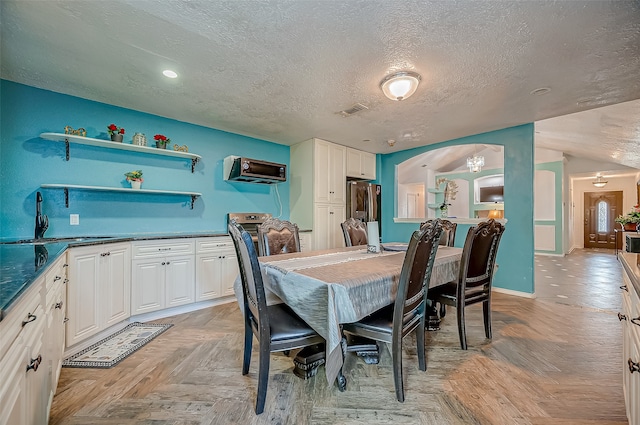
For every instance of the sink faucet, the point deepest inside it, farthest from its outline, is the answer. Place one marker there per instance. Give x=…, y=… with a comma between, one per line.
x=42, y=221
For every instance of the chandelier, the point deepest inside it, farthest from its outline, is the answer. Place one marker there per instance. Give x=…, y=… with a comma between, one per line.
x=475, y=163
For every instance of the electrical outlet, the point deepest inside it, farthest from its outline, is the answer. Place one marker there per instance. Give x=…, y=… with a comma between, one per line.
x=74, y=219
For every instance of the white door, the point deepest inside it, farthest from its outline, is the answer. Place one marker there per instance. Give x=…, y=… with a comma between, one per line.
x=115, y=287
x=180, y=282
x=147, y=285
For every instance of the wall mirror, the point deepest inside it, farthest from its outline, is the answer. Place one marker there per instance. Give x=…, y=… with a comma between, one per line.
x=441, y=179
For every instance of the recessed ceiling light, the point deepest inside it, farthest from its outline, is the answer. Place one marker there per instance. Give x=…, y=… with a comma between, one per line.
x=540, y=91
x=169, y=73
x=366, y=140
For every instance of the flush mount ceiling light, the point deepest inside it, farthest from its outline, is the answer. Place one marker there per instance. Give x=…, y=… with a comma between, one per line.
x=400, y=85
x=169, y=73
x=598, y=182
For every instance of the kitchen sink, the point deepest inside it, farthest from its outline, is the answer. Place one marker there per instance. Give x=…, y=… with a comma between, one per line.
x=43, y=241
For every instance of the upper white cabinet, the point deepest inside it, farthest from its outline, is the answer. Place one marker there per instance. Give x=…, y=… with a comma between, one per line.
x=318, y=187
x=361, y=165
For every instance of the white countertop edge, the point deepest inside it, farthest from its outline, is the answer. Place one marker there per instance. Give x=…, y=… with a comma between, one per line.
x=451, y=219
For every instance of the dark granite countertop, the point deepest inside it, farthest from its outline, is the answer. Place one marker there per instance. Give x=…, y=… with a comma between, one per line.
x=23, y=261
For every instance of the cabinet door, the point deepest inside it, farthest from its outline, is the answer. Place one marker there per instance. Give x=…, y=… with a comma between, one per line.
x=228, y=273
x=337, y=175
x=147, y=288
x=353, y=163
x=13, y=403
x=38, y=380
x=306, y=241
x=115, y=289
x=321, y=223
x=336, y=216
x=83, y=294
x=179, y=280
x=368, y=165
x=322, y=180
x=208, y=284
x=55, y=335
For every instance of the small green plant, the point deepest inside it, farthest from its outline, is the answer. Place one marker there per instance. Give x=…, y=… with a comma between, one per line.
x=135, y=176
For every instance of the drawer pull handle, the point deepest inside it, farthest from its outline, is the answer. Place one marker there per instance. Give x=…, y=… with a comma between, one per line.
x=30, y=318
x=622, y=317
x=59, y=305
x=34, y=364
x=624, y=287
x=104, y=254
x=633, y=366
x=636, y=321
x=65, y=265
x=57, y=278
x=66, y=319
x=66, y=281
x=164, y=249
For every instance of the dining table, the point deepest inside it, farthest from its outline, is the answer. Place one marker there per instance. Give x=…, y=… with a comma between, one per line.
x=327, y=288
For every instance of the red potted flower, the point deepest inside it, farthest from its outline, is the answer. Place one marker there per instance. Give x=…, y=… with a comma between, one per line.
x=161, y=141
x=116, y=133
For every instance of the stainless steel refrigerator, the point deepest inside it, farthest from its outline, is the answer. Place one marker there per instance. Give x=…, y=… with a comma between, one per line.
x=363, y=202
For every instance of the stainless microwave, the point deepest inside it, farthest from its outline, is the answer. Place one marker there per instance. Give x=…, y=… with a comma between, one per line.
x=250, y=170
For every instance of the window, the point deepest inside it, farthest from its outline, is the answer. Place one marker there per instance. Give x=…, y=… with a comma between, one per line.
x=603, y=219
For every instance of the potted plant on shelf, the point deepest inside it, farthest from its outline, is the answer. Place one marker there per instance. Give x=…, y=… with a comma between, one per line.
x=161, y=141
x=135, y=178
x=630, y=220
x=116, y=133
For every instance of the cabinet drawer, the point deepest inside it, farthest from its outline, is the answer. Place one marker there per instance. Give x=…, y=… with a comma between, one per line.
x=57, y=273
x=148, y=249
x=215, y=244
x=28, y=306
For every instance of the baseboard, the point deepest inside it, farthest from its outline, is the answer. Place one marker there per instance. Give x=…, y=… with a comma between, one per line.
x=549, y=254
x=514, y=293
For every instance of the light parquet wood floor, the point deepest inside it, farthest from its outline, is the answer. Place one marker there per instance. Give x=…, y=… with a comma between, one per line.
x=555, y=360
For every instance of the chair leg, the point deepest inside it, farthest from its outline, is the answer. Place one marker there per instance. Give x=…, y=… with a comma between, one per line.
x=396, y=354
x=263, y=376
x=443, y=310
x=248, y=340
x=486, y=312
x=461, y=330
x=422, y=362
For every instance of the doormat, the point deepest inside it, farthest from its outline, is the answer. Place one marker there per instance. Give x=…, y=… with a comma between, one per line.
x=115, y=348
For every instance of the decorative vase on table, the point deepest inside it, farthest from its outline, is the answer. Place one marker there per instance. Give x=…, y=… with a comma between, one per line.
x=135, y=184
x=161, y=145
x=444, y=212
x=117, y=137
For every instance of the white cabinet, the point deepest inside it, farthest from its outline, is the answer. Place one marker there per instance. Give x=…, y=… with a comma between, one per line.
x=328, y=218
x=306, y=241
x=99, y=289
x=25, y=379
x=163, y=274
x=318, y=190
x=216, y=267
x=631, y=336
x=361, y=165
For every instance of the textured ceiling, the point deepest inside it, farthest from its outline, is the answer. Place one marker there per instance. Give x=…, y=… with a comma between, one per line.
x=282, y=70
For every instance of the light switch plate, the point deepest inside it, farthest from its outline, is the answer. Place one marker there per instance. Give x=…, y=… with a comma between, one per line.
x=74, y=219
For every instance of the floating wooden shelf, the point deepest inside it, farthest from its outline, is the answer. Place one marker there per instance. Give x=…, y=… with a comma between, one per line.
x=66, y=187
x=69, y=138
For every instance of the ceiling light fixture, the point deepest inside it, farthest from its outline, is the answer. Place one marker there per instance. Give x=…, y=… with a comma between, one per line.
x=169, y=73
x=391, y=142
x=598, y=182
x=400, y=85
x=476, y=162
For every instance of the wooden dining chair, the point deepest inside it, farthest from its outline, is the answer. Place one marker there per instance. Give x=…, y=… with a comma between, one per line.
x=276, y=327
x=407, y=314
x=448, y=237
x=277, y=236
x=474, y=277
x=354, y=231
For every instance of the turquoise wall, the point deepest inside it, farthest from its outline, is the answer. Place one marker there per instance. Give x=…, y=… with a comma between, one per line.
x=515, y=256
x=27, y=162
